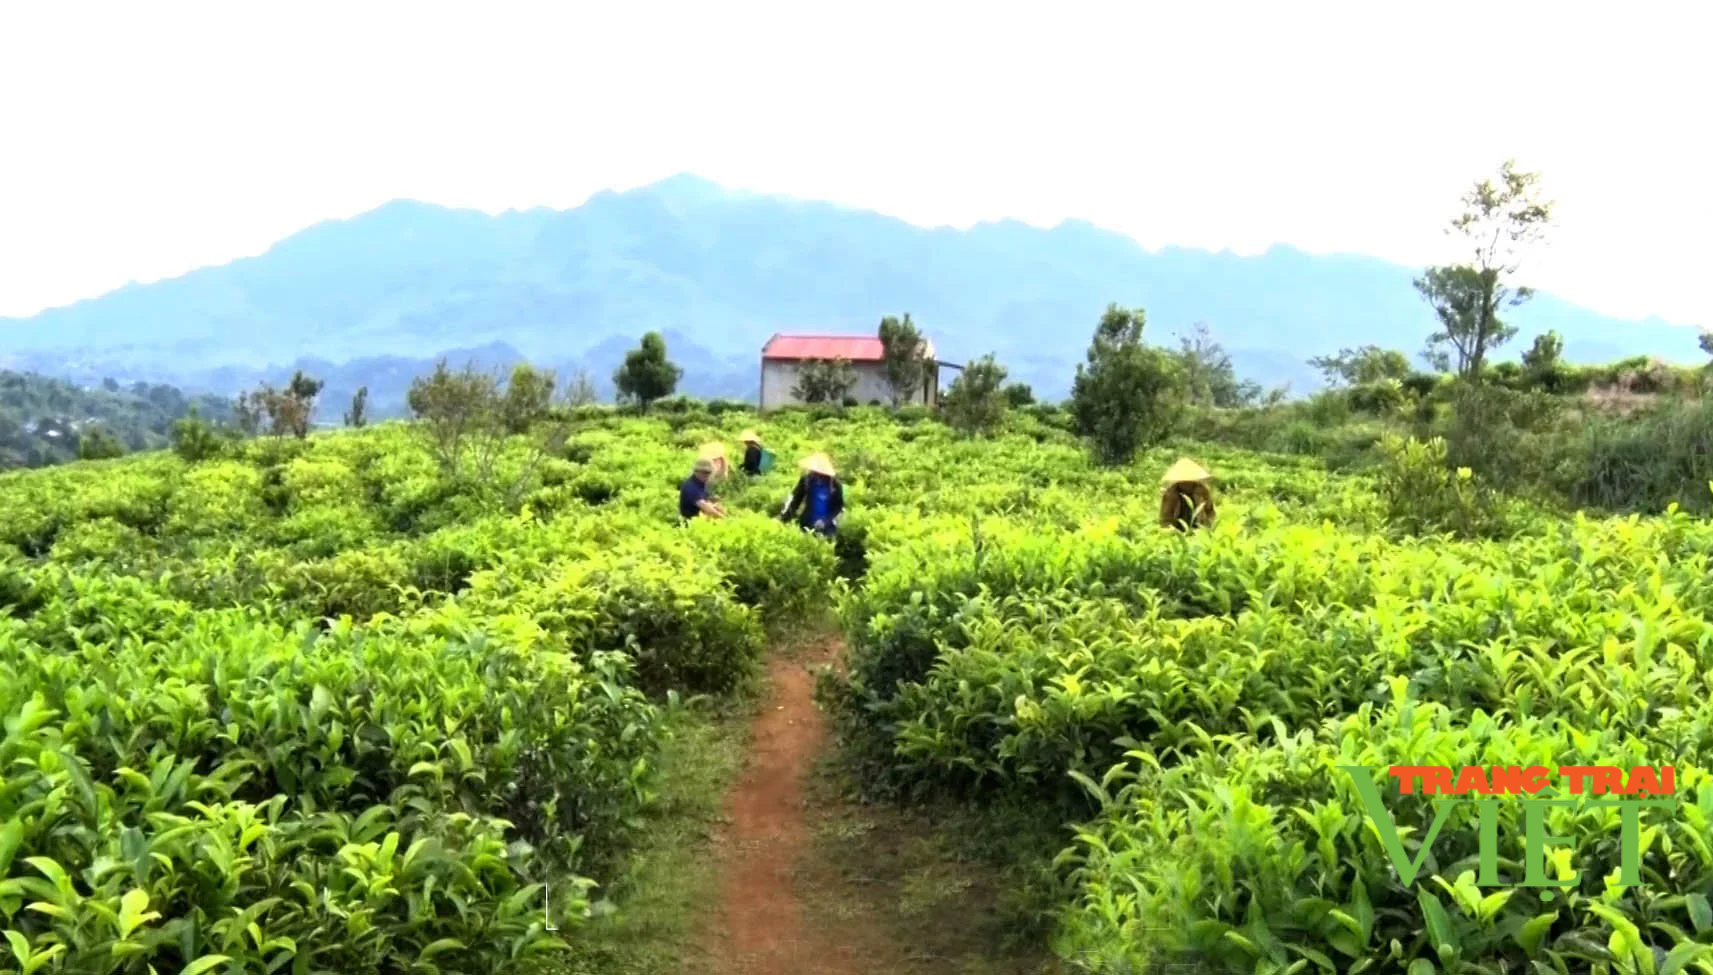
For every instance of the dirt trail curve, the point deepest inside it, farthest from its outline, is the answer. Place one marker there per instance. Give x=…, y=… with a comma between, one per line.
x=760, y=926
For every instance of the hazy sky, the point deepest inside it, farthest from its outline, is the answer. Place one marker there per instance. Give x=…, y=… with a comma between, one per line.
x=138, y=141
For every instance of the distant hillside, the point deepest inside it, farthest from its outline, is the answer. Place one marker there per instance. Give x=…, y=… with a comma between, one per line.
x=390, y=289
x=42, y=420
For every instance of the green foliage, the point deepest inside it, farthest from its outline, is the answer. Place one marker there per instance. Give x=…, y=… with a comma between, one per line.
x=1498, y=221
x=1124, y=395
x=1423, y=497
x=1181, y=705
x=527, y=397
x=329, y=689
x=647, y=375
x=1382, y=397
x=580, y=391
x=455, y=410
x=289, y=411
x=97, y=443
x=1208, y=376
x=976, y=403
x=824, y=381
x=1646, y=462
x=195, y=439
x=907, y=365
x=357, y=415
x=323, y=705
x=1543, y=363
x=1019, y=395
x=45, y=421
x=1362, y=366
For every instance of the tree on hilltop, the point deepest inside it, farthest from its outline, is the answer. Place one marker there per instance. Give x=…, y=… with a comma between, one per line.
x=1362, y=366
x=1209, y=379
x=358, y=415
x=977, y=400
x=905, y=357
x=1500, y=220
x=647, y=375
x=1123, y=396
x=468, y=420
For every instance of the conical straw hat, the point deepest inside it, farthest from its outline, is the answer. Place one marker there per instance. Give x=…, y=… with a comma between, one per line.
x=819, y=463
x=1185, y=470
x=748, y=436
x=711, y=450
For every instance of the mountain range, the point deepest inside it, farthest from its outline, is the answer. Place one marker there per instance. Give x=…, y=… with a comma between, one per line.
x=374, y=299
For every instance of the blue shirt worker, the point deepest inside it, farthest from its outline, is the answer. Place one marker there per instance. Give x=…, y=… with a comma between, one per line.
x=693, y=497
x=819, y=498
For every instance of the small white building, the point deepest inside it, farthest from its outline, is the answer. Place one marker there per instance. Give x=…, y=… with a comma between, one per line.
x=784, y=356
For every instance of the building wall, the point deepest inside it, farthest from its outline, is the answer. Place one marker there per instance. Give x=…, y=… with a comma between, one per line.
x=779, y=376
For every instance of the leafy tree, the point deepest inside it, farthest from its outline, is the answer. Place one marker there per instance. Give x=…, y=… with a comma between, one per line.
x=1361, y=366
x=527, y=397
x=580, y=391
x=647, y=375
x=1209, y=378
x=1707, y=342
x=824, y=381
x=358, y=414
x=452, y=409
x=467, y=420
x=247, y=412
x=288, y=410
x=1499, y=221
x=195, y=439
x=98, y=443
x=905, y=357
x=976, y=402
x=1543, y=363
x=1019, y=395
x=1123, y=396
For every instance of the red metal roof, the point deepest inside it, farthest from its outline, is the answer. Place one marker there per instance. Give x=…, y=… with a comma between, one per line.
x=855, y=348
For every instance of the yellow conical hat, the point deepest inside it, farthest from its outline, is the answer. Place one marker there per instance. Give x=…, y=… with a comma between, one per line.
x=819, y=463
x=711, y=450
x=748, y=436
x=1184, y=471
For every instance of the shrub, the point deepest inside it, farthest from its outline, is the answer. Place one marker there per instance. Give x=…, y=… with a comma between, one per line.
x=1422, y=496
x=195, y=440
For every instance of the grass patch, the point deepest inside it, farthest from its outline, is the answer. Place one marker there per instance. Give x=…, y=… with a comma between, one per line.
x=668, y=880
x=959, y=890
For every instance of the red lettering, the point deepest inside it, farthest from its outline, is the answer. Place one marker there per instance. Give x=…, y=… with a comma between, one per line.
x=1472, y=777
x=1608, y=779
x=1669, y=786
x=1576, y=773
x=1642, y=779
x=1406, y=776
x=1436, y=779
x=1538, y=777
x=1507, y=780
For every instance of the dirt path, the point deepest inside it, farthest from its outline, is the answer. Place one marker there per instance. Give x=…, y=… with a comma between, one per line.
x=761, y=926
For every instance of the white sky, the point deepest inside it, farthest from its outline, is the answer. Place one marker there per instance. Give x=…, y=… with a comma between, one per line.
x=138, y=141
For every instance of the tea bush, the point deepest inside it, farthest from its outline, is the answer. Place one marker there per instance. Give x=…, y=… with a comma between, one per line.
x=1185, y=703
x=314, y=706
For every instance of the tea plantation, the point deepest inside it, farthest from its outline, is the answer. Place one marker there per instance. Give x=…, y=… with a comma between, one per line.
x=312, y=706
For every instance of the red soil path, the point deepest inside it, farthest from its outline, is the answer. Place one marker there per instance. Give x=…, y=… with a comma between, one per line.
x=759, y=926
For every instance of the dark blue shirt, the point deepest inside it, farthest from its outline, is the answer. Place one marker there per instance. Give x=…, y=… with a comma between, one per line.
x=691, y=493
x=820, y=499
